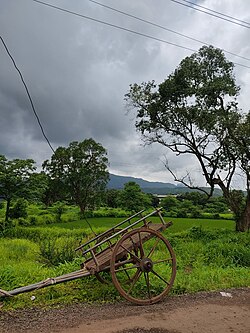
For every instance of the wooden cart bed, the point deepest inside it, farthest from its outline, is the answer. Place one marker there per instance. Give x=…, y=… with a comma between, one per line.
x=101, y=260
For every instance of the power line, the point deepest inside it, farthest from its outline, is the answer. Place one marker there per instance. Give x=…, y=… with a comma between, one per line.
x=27, y=91
x=113, y=25
x=121, y=28
x=214, y=11
x=164, y=28
x=211, y=14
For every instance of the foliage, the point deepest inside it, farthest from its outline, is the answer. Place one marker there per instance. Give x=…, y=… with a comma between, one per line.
x=132, y=198
x=195, y=205
x=111, y=198
x=38, y=185
x=19, y=209
x=195, y=111
x=170, y=202
x=59, y=208
x=79, y=172
x=56, y=251
x=14, y=180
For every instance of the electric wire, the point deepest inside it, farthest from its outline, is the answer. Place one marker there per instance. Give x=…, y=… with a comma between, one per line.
x=122, y=28
x=211, y=14
x=164, y=28
x=27, y=91
x=214, y=11
x=114, y=25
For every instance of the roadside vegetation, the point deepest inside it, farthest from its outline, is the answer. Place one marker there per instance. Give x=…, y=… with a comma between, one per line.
x=210, y=255
x=45, y=215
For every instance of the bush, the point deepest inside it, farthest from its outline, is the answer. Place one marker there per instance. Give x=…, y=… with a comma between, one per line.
x=22, y=222
x=182, y=213
x=19, y=209
x=196, y=213
x=57, y=251
x=33, y=220
x=110, y=212
x=58, y=209
x=48, y=219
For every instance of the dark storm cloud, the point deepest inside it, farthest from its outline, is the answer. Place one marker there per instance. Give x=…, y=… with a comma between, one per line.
x=78, y=71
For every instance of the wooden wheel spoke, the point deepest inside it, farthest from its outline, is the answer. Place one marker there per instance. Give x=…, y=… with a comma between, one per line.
x=131, y=253
x=153, y=248
x=146, y=276
x=134, y=280
x=160, y=277
x=126, y=268
x=141, y=246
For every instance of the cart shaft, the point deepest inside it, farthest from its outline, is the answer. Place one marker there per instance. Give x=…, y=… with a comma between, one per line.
x=45, y=283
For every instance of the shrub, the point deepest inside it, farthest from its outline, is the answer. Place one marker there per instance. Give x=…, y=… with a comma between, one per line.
x=57, y=251
x=196, y=213
x=19, y=209
x=33, y=220
x=110, y=212
x=22, y=221
x=58, y=209
x=182, y=213
x=48, y=219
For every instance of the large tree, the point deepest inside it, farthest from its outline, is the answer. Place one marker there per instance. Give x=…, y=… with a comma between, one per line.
x=15, y=180
x=195, y=111
x=80, y=171
x=132, y=197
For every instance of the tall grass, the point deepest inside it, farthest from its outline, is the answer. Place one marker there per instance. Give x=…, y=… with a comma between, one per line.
x=208, y=258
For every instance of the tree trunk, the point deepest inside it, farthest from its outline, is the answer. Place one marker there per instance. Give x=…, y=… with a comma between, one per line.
x=243, y=222
x=7, y=212
x=242, y=216
x=82, y=208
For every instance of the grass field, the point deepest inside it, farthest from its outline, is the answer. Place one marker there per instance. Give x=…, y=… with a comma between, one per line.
x=179, y=224
x=210, y=256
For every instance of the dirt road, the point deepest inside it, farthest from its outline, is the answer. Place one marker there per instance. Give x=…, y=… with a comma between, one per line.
x=199, y=313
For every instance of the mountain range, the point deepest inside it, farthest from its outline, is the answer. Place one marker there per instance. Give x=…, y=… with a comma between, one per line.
x=117, y=182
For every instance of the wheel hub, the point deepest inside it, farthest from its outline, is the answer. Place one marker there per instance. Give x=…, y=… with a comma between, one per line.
x=146, y=265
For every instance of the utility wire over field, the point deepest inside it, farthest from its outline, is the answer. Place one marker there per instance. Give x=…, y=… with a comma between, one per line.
x=165, y=28
x=210, y=12
x=133, y=31
x=27, y=91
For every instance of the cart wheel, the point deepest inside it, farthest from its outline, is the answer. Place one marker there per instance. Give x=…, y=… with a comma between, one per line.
x=143, y=266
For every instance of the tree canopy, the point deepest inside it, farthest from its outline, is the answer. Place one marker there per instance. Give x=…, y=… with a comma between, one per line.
x=195, y=111
x=132, y=197
x=79, y=172
x=14, y=179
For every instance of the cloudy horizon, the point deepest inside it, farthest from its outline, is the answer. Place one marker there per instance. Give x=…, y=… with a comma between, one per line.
x=78, y=71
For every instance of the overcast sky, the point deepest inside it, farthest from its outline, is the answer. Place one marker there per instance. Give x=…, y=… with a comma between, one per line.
x=78, y=72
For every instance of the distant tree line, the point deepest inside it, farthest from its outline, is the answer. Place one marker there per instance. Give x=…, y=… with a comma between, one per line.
x=195, y=204
x=78, y=175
